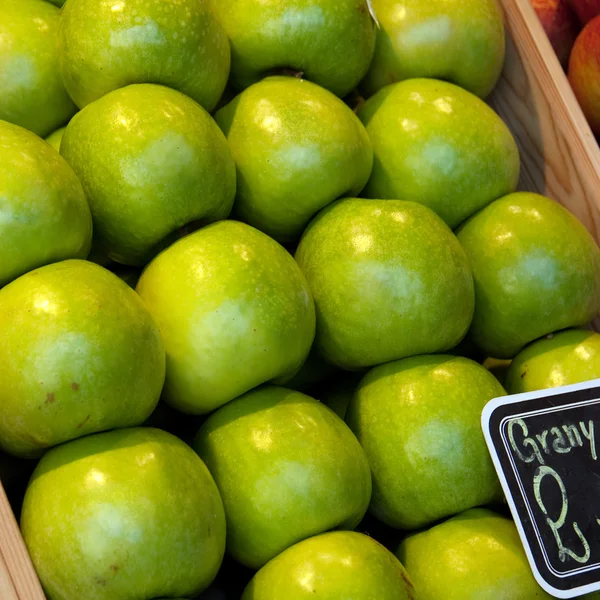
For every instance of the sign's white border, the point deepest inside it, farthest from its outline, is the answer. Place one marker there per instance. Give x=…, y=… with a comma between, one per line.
x=486, y=416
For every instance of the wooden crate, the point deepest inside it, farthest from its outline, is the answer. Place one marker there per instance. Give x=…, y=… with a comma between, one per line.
x=560, y=158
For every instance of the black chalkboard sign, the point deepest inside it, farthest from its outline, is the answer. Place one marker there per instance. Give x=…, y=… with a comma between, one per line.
x=545, y=447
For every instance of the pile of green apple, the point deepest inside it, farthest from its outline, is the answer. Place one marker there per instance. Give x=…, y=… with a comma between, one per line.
x=257, y=287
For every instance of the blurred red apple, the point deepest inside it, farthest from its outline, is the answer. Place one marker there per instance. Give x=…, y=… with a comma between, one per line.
x=584, y=72
x=586, y=9
x=560, y=23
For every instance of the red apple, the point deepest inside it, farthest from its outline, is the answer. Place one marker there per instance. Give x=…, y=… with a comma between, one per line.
x=584, y=72
x=560, y=23
x=586, y=9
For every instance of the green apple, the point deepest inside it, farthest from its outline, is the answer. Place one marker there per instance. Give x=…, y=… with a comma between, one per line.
x=79, y=353
x=461, y=41
x=44, y=215
x=418, y=420
x=55, y=138
x=536, y=270
x=104, y=46
x=234, y=311
x=563, y=358
x=330, y=42
x=150, y=160
x=389, y=280
x=439, y=145
x=287, y=468
x=33, y=94
x=474, y=556
x=297, y=148
x=126, y=514
x=340, y=564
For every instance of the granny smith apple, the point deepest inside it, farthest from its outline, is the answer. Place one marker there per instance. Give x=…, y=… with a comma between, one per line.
x=340, y=564
x=79, y=353
x=104, y=45
x=287, y=468
x=536, y=270
x=151, y=160
x=330, y=42
x=33, y=94
x=234, y=311
x=461, y=41
x=389, y=280
x=44, y=215
x=439, y=145
x=55, y=138
x=126, y=514
x=563, y=358
x=297, y=147
x=474, y=556
x=418, y=420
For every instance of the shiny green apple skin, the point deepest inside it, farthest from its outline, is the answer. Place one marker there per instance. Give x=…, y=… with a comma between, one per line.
x=33, y=94
x=439, y=145
x=125, y=514
x=99, y=360
x=297, y=148
x=55, y=138
x=339, y=564
x=150, y=160
x=476, y=555
x=563, y=358
x=389, y=280
x=287, y=468
x=227, y=295
x=461, y=41
x=418, y=420
x=536, y=270
x=106, y=45
x=329, y=42
x=45, y=216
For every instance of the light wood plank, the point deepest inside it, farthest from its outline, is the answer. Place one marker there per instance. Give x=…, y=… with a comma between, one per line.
x=559, y=154
x=17, y=575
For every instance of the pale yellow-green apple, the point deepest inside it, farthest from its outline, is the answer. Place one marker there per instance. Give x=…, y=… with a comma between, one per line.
x=79, y=353
x=45, y=216
x=536, y=270
x=151, y=161
x=586, y=9
x=584, y=72
x=287, y=468
x=339, y=564
x=560, y=24
x=461, y=41
x=132, y=513
x=297, y=148
x=330, y=42
x=234, y=311
x=439, y=145
x=55, y=138
x=108, y=44
x=563, y=358
x=476, y=555
x=389, y=280
x=33, y=94
x=418, y=420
